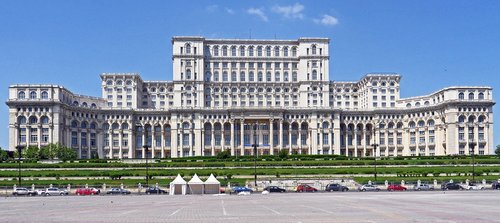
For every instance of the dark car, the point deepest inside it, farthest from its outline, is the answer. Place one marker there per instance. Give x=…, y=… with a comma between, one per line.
x=495, y=185
x=274, y=189
x=239, y=189
x=155, y=190
x=117, y=191
x=335, y=187
x=306, y=188
x=450, y=186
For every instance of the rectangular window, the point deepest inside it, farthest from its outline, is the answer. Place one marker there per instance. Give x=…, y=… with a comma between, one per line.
x=83, y=139
x=45, y=135
x=74, y=139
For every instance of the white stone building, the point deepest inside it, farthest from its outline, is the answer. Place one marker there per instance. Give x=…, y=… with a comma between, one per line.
x=222, y=88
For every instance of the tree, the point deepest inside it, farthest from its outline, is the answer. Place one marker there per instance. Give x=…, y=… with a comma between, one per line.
x=48, y=151
x=283, y=154
x=497, y=151
x=226, y=154
x=31, y=153
x=64, y=153
x=3, y=155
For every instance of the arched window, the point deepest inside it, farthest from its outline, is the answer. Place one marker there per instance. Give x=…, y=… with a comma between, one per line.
x=399, y=125
x=233, y=51
x=115, y=126
x=481, y=119
x=233, y=76
x=411, y=125
x=417, y=104
x=93, y=125
x=461, y=96
x=75, y=103
x=250, y=51
x=84, y=125
x=208, y=76
x=461, y=119
x=84, y=104
x=251, y=76
x=33, y=95
x=268, y=51
x=224, y=76
x=259, y=77
x=119, y=82
x=242, y=51
x=471, y=96
x=188, y=48
x=408, y=105
x=21, y=95
x=430, y=123
x=259, y=51
x=285, y=76
x=21, y=120
x=472, y=118
x=74, y=124
x=480, y=96
x=105, y=126
x=185, y=125
x=216, y=76
x=277, y=76
x=216, y=51
x=45, y=95
x=109, y=82
x=188, y=74
x=224, y=51
x=276, y=51
x=44, y=120
x=325, y=125
x=93, y=105
x=125, y=126
x=242, y=76
x=313, y=49
x=268, y=76
x=421, y=123
x=294, y=76
x=294, y=51
x=314, y=75
x=285, y=51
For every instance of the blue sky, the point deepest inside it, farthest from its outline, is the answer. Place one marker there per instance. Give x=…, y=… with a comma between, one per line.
x=433, y=44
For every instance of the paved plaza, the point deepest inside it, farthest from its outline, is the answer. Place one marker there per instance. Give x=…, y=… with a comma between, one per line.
x=432, y=206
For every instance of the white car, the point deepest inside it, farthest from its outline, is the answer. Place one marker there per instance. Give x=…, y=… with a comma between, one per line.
x=23, y=191
x=54, y=192
x=368, y=187
x=472, y=186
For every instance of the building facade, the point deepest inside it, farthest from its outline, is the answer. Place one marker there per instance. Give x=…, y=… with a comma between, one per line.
x=227, y=94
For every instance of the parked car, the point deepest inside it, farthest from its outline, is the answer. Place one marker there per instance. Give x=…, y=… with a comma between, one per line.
x=368, y=187
x=335, y=187
x=117, y=191
x=423, y=187
x=450, y=186
x=397, y=187
x=472, y=186
x=87, y=191
x=274, y=189
x=305, y=188
x=23, y=191
x=495, y=185
x=54, y=192
x=155, y=190
x=239, y=189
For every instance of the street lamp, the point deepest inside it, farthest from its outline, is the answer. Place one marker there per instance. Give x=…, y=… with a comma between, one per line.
x=375, y=153
x=255, y=153
x=471, y=152
x=19, y=150
x=146, y=148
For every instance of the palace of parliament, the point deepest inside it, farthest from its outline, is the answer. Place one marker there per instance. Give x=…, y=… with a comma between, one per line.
x=228, y=94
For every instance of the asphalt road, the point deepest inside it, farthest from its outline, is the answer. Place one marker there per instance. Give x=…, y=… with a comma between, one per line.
x=429, y=206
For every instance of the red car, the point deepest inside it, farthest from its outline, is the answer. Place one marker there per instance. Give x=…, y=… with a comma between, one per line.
x=394, y=187
x=306, y=188
x=87, y=191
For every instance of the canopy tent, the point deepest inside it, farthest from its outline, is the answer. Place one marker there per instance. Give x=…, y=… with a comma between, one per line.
x=195, y=185
x=212, y=185
x=178, y=186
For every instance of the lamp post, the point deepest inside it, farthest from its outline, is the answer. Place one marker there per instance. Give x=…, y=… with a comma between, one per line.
x=255, y=153
x=146, y=148
x=19, y=150
x=472, y=145
x=375, y=153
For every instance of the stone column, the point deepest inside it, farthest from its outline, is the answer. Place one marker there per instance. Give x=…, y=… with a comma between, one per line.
x=232, y=137
x=120, y=140
x=242, y=137
x=162, y=139
x=356, y=143
x=213, y=139
x=280, y=135
x=271, y=137
x=143, y=142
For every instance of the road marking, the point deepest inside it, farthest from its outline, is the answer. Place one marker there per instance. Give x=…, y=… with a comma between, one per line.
x=276, y=212
x=319, y=209
x=175, y=212
x=223, y=208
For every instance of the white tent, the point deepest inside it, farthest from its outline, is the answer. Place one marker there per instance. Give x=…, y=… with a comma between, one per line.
x=212, y=185
x=195, y=185
x=178, y=186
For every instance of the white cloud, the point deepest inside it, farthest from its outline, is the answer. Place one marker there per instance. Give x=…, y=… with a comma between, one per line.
x=327, y=20
x=258, y=12
x=229, y=11
x=212, y=8
x=290, y=11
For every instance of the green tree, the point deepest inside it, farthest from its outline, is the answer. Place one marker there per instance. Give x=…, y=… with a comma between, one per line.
x=283, y=154
x=48, y=151
x=3, y=155
x=64, y=153
x=497, y=151
x=226, y=154
x=31, y=153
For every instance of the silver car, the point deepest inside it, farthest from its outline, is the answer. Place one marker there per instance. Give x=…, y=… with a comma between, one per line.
x=368, y=187
x=54, y=192
x=423, y=187
x=23, y=191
